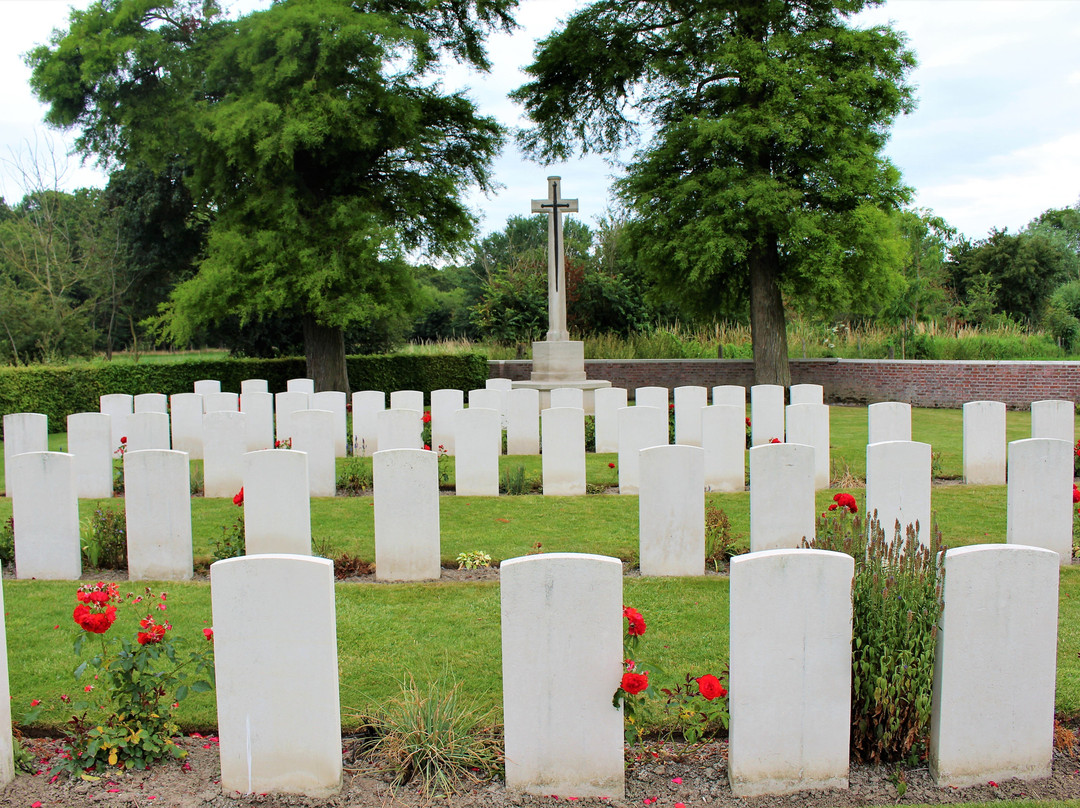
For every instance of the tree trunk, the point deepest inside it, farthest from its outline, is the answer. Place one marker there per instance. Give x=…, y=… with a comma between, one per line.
x=324, y=348
x=768, y=328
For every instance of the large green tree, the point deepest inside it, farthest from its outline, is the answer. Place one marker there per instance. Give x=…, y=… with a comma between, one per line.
x=317, y=142
x=763, y=173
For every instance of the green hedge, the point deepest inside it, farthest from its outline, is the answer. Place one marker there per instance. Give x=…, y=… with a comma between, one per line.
x=59, y=391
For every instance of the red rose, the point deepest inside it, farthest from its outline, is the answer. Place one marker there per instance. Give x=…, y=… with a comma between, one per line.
x=426, y=417
x=634, y=683
x=94, y=622
x=612, y=465
x=775, y=440
x=833, y=507
x=709, y=687
x=239, y=498
x=1076, y=494
x=636, y=625
x=123, y=439
x=209, y=634
x=845, y=501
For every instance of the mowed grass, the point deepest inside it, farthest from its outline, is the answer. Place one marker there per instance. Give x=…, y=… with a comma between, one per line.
x=444, y=630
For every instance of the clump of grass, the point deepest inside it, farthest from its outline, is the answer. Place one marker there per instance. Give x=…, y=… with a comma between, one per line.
x=433, y=739
x=515, y=482
x=719, y=546
x=7, y=541
x=355, y=477
x=104, y=539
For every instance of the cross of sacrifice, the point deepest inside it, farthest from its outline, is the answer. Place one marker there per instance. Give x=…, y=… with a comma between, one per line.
x=555, y=206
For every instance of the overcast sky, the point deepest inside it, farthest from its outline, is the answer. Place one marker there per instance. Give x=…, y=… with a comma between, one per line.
x=995, y=139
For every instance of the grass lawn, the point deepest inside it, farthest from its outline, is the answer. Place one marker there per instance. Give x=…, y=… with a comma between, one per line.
x=436, y=630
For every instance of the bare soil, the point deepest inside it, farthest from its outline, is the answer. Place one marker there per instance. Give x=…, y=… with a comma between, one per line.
x=658, y=774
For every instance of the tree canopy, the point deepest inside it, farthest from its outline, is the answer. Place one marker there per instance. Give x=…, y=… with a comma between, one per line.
x=763, y=175
x=313, y=138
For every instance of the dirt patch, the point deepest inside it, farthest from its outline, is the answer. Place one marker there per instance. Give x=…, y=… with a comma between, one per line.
x=668, y=773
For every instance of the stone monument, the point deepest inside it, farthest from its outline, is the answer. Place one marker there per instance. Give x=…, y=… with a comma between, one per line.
x=558, y=361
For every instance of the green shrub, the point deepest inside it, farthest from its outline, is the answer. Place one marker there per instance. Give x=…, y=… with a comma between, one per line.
x=7, y=541
x=104, y=539
x=355, y=476
x=232, y=541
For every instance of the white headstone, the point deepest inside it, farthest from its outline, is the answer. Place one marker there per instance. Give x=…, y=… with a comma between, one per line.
x=730, y=394
x=1040, y=507
x=561, y=734
x=723, y=437
x=221, y=402
x=766, y=413
x=523, y=422
x=399, y=429
x=147, y=430
x=898, y=486
x=278, y=709
x=487, y=399
x=24, y=432
x=157, y=502
x=277, y=510
x=476, y=465
x=639, y=428
x=782, y=510
x=254, y=386
x=562, y=436
x=366, y=406
x=119, y=406
x=7, y=745
x=984, y=443
x=607, y=401
x=888, y=421
x=444, y=403
x=89, y=442
x=300, y=386
x=671, y=511
x=689, y=402
x=407, y=543
x=407, y=400
x=505, y=385
x=186, y=424
x=790, y=658
x=652, y=397
x=809, y=424
x=225, y=437
x=807, y=394
x=46, y=513
x=285, y=404
x=206, y=386
x=334, y=401
x=259, y=423
x=151, y=402
x=995, y=669
x=568, y=397
x=1053, y=419
x=313, y=433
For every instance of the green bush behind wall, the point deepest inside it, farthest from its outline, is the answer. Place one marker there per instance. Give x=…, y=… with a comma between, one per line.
x=60, y=391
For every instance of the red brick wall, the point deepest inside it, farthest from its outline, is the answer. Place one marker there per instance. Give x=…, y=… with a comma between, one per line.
x=863, y=381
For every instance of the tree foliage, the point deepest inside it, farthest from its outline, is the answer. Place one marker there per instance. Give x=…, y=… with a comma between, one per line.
x=763, y=175
x=315, y=141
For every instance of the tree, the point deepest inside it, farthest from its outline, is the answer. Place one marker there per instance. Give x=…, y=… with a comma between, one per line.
x=316, y=141
x=763, y=175
x=925, y=238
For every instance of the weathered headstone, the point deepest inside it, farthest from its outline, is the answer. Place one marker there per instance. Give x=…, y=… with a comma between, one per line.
x=407, y=400
x=119, y=406
x=898, y=486
x=807, y=394
x=259, y=423
x=46, y=514
x=888, y=421
x=782, y=508
x=285, y=404
x=225, y=438
x=994, y=676
x=147, y=430
x=790, y=658
x=444, y=403
x=562, y=735
x=277, y=510
x=607, y=401
x=399, y=429
x=186, y=423
x=671, y=510
x=1053, y=419
x=406, y=483
x=151, y=402
x=476, y=465
x=689, y=402
x=157, y=503
x=523, y=422
x=23, y=432
x=1039, y=499
x=809, y=424
x=333, y=401
x=984, y=443
x=278, y=709
x=766, y=413
x=562, y=434
x=313, y=433
x=366, y=406
x=723, y=437
x=89, y=442
x=639, y=428
x=300, y=386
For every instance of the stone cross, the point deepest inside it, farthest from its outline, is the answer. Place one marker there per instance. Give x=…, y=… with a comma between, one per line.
x=555, y=206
